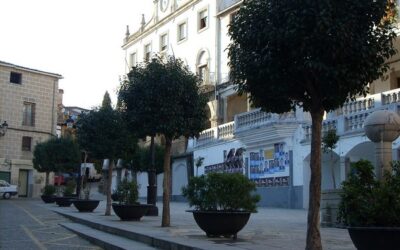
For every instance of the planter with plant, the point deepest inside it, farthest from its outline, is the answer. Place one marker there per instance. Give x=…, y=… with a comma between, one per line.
x=68, y=195
x=223, y=202
x=128, y=208
x=86, y=204
x=48, y=193
x=370, y=207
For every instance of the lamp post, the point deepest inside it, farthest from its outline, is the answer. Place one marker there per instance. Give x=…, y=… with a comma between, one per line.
x=3, y=128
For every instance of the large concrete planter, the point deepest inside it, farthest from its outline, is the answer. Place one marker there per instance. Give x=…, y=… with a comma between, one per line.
x=130, y=212
x=330, y=200
x=86, y=205
x=221, y=223
x=375, y=238
x=47, y=198
x=63, y=201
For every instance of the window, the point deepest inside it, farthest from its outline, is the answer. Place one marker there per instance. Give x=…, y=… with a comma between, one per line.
x=16, y=77
x=28, y=114
x=203, y=72
x=132, y=59
x=182, y=31
x=26, y=143
x=202, y=67
x=203, y=19
x=163, y=42
x=147, y=52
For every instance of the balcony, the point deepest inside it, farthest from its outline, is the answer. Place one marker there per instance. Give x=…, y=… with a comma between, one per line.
x=243, y=122
x=350, y=118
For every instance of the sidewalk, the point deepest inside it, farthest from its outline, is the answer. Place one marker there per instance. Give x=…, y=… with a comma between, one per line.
x=270, y=228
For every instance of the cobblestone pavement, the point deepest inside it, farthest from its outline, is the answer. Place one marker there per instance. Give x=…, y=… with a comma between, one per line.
x=25, y=225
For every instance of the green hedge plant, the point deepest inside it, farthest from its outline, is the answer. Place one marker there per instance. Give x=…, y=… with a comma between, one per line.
x=127, y=192
x=69, y=188
x=367, y=201
x=49, y=190
x=221, y=192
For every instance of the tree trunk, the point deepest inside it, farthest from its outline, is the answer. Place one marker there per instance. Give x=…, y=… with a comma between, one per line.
x=108, y=191
x=47, y=178
x=313, y=220
x=166, y=183
x=152, y=188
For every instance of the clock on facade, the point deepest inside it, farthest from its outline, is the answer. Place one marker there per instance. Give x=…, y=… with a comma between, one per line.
x=164, y=5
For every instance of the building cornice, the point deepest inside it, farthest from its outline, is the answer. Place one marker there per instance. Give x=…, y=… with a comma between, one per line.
x=17, y=67
x=140, y=34
x=229, y=9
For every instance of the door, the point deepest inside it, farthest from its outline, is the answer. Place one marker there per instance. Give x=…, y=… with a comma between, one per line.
x=23, y=183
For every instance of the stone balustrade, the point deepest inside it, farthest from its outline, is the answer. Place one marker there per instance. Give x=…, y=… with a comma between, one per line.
x=224, y=131
x=349, y=119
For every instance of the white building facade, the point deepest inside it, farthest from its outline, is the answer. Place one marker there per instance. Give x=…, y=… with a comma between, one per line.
x=274, y=148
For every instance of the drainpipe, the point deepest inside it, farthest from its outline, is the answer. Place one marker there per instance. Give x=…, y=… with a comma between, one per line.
x=53, y=108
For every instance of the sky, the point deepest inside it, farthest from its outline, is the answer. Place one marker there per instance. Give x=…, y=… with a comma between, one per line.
x=78, y=39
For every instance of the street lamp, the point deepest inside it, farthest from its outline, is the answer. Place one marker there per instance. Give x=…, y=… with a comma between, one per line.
x=3, y=128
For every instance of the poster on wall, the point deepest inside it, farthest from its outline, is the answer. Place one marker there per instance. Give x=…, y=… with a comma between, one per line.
x=233, y=163
x=270, y=167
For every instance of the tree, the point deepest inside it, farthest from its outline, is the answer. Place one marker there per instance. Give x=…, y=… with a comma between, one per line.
x=41, y=160
x=141, y=159
x=162, y=97
x=329, y=141
x=103, y=134
x=56, y=155
x=310, y=54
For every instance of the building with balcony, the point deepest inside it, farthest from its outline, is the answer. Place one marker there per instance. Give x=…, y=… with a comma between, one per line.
x=273, y=150
x=28, y=103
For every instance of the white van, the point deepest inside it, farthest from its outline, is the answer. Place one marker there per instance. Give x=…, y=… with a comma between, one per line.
x=91, y=172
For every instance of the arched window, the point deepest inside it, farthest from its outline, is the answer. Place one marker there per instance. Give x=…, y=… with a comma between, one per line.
x=202, y=67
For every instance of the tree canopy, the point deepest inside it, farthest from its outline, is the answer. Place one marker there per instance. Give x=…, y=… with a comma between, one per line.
x=56, y=154
x=310, y=54
x=306, y=53
x=163, y=98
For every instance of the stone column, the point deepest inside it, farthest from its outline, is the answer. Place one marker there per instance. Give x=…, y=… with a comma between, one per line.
x=382, y=128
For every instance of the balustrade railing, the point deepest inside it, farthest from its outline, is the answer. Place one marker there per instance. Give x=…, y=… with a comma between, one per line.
x=224, y=131
x=358, y=106
x=390, y=97
x=257, y=117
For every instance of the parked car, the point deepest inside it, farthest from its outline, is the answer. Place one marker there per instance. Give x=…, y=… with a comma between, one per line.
x=7, y=190
x=65, y=177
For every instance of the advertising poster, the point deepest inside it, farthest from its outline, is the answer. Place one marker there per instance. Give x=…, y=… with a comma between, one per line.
x=270, y=167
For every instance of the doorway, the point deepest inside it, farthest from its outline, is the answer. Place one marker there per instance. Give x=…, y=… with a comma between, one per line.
x=23, y=183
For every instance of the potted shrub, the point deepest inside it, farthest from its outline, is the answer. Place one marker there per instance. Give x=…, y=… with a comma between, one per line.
x=48, y=193
x=68, y=195
x=223, y=202
x=86, y=204
x=127, y=207
x=370, y=208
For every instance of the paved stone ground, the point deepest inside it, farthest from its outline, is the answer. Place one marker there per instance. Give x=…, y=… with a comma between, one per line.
x=270, y=228
x=25, y=225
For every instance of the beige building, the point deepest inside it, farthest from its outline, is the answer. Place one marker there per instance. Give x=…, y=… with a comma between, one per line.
x=28, y=103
